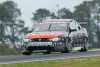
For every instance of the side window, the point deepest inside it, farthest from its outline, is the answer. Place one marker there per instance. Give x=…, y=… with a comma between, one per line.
x=72, y=25
x=79, y=27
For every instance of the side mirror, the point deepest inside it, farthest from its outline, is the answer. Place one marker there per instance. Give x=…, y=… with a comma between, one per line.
x=73, y=30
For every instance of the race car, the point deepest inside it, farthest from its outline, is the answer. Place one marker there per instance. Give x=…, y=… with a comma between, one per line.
x=56, y=35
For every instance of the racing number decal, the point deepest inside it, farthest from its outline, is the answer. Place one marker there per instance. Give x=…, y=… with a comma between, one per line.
x=62, y=24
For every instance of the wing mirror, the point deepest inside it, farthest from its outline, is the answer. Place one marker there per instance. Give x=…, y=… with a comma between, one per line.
x=73, y=30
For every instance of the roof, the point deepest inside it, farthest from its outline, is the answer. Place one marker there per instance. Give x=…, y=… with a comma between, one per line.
x=68, y=20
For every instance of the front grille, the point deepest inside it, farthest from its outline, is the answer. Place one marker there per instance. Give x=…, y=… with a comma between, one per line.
x=40, y=39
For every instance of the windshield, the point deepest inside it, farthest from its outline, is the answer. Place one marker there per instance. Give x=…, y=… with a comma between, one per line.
x=51, y=27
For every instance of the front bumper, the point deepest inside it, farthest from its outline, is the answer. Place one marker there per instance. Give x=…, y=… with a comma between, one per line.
x=40, y=43
x=43, y=44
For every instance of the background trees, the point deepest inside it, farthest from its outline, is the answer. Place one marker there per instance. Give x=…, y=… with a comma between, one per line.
x=10, y=23
x=40, y=15
x=95, y=17
x=65, y=13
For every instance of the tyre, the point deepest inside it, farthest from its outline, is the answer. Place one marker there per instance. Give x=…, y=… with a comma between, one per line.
x=67, y=51
x=46, y=52
x=26, y=53
x=85, y=47
x=67, y=47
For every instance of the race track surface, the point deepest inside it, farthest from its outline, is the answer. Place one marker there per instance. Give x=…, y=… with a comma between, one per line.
x=43, y=57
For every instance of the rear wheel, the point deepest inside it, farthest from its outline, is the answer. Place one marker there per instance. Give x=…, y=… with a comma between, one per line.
x=85, y=46
x=83, y=49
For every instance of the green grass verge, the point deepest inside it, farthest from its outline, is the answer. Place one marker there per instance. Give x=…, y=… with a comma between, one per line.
x=8, y=55
x=79, y=62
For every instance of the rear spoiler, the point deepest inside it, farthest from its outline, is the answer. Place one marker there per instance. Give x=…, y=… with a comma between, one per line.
x=83, y=23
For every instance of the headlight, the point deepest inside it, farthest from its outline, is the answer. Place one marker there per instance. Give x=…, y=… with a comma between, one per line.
x=55, y=39
x=26, y=40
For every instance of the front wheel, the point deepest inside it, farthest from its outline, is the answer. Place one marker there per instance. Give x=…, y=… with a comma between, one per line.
x=66, y=51
x=67, y=46
x=46, y=52
x=26, y=52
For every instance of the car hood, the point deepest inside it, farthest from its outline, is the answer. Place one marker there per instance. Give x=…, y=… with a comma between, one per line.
x=44, y=34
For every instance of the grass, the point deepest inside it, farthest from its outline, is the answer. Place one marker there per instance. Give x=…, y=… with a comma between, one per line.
x=79, y=62
x=8, y=55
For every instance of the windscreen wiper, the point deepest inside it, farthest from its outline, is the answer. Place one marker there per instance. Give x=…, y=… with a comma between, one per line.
x=49, y=27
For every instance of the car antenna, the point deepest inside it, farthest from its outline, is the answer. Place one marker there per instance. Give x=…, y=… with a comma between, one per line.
x=58, y=11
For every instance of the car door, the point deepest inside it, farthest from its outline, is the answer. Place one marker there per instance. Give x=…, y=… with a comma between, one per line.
x=80, y=34
x=73, y=32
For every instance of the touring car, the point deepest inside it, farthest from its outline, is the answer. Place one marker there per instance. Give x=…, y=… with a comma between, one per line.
x=56, y=35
